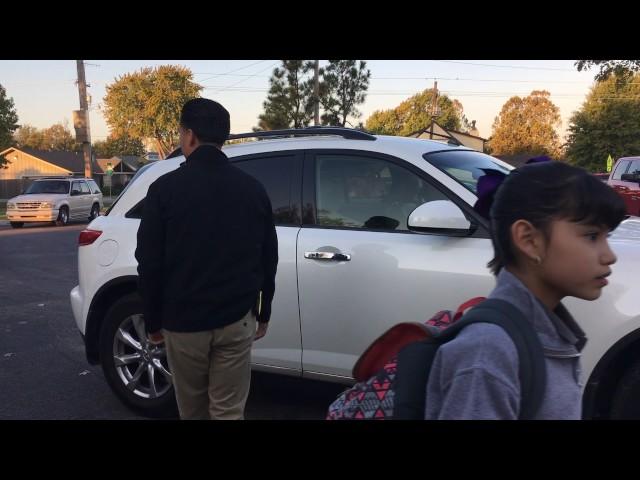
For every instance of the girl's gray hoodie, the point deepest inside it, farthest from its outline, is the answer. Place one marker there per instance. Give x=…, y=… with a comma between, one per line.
x=475, y=376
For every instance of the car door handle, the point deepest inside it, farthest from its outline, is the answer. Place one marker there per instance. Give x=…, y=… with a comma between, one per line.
x=339, y=257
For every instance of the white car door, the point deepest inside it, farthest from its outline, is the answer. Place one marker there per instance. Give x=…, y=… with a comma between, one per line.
x=375, y=272
x=281, y=176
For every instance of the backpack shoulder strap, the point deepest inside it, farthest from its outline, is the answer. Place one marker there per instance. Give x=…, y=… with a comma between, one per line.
x=532, y=371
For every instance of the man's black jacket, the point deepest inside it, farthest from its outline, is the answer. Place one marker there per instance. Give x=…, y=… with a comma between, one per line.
x=206, y=247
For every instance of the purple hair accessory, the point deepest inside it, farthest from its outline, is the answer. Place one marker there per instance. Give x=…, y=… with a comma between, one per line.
x=486, y=189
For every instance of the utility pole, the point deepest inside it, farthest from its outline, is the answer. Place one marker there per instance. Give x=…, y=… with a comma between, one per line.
x=316, y=93
x=81, y=120
x=434, y=106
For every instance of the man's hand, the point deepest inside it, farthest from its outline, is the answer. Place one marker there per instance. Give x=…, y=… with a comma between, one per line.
x=156, y=338
x=261, y=331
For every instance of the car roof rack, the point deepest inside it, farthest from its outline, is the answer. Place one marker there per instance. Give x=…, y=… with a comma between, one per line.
x=48, y=177
x=348, y=133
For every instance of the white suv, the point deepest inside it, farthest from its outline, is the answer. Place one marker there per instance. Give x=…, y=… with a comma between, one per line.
x=372, y=231
x=56, y=199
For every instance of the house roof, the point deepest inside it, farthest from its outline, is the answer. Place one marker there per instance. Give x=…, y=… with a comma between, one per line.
x=71, y=161
x=427, y=129
x=131, y=161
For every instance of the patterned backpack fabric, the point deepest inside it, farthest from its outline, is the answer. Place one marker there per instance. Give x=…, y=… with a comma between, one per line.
x=372, y=397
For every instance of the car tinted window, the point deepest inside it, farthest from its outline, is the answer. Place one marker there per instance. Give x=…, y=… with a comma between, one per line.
x=274, y=173
x=635, y=167
x=75, y=187
x=620, y=169
x=465, y=166
x=367, y=192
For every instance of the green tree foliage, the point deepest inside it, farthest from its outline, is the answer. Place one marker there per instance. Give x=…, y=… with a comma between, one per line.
x=527, y=125
x=8, y=122
x=607, y=124
x=289, y=102
x=115, y=146
x=623, y=70
x=56, y=137
x=344, y=87
x=147, y=103
x=415, y=114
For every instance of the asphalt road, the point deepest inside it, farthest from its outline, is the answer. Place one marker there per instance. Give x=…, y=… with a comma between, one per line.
x=44, y=374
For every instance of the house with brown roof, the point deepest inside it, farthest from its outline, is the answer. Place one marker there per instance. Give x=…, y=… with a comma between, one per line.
x=435, y=131
x=26, y=164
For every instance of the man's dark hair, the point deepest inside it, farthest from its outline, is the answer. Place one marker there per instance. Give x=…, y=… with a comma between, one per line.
x=208, y=120
x=543, y=192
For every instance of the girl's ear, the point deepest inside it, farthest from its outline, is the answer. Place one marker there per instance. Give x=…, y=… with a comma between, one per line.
x=528, y=240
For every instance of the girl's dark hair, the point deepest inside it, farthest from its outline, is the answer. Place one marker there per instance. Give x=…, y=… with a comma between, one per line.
x=543, y=192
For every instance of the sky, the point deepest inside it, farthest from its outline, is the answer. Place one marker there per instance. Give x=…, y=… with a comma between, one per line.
x=45, y=92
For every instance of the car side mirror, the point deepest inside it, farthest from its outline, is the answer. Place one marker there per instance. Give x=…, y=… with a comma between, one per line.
x=440, y=217
x=630, y=177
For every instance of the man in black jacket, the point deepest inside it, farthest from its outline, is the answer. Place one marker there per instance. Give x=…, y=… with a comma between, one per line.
x=207, y=257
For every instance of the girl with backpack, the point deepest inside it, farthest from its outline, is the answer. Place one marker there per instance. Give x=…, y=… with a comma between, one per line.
x=550, y=222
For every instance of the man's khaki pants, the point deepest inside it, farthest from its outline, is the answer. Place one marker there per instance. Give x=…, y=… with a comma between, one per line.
x=211, y=370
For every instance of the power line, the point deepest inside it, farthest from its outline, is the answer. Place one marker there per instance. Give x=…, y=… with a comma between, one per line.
x=440, y=78
x=245, y=79
x=232, y=71
x=477, y=80
x=506, y=66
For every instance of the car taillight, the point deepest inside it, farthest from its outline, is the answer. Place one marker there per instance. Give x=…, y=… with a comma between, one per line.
x=87, y=237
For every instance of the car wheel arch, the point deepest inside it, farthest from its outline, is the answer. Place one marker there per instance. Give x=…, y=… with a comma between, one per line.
x=601, y=386
x=106, y=296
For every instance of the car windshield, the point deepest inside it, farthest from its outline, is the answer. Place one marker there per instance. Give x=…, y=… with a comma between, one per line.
x=465, y=166
x=48, y=186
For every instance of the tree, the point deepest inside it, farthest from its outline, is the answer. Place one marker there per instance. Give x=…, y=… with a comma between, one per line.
x=344, y=86
x=115, y=146
x=415, y=114
x=56, y=137
x=28, y=136
x=147, y=103
x=289, y=102
x=466, y=126
x=527, y=125
x=607, y=124
x=8, y=122
x=621, y=69
x=59, y=137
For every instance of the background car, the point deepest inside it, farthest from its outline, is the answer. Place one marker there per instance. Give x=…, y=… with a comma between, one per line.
x=625, y=179
x=57, y=200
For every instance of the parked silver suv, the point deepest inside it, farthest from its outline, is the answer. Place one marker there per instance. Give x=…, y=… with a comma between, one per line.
x=57, y=200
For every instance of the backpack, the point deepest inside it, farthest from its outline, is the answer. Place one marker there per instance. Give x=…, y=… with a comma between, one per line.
x=392, y=374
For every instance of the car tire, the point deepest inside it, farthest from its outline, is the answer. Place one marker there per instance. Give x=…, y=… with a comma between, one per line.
x=131, y=382
x=95, y=212
x=17, y=224
x=63, y=217
x=626, y=399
